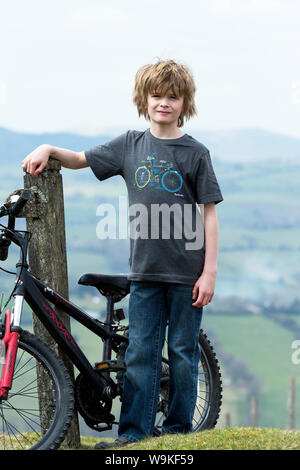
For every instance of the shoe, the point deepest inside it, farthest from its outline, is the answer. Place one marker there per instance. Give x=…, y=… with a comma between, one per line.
x=119, y=442
x=157, y=432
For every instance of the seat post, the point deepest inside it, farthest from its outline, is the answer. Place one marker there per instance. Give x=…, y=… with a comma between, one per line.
x=109, y=309
x=108, y=322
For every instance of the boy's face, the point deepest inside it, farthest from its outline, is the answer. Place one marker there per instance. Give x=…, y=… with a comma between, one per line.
x=164, y=108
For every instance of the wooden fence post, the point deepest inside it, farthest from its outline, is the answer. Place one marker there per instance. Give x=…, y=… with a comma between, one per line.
x=291, y=404
x=254, y=412
x=48, y=260
x=227, y=420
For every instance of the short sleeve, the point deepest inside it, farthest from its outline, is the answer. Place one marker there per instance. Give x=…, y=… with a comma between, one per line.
x=107, y=160
x=206, y=184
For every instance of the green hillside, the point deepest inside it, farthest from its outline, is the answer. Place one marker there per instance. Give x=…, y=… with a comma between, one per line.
x=265, y=349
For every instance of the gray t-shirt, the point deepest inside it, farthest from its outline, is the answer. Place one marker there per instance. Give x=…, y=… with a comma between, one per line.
x=166, y=180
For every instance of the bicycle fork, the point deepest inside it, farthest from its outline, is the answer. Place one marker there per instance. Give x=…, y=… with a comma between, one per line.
x=8, y=354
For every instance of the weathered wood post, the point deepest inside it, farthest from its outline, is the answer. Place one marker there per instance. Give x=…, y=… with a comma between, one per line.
x=227, y=420
x=291, y=404
x=48, y=260
x=254, y=411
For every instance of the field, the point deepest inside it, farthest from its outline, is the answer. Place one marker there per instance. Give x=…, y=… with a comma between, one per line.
x=264, y=348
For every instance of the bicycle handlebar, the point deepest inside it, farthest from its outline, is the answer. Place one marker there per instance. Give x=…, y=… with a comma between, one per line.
x=23, y=198
x=4, y=245
x=3, y=210
x=12, y=209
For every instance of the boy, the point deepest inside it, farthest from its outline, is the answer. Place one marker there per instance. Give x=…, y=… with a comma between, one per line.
x=171, y=279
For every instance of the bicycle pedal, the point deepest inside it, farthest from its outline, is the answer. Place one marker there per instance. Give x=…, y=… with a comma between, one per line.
x=112, y=365
x=105, y=364
x=102, y=365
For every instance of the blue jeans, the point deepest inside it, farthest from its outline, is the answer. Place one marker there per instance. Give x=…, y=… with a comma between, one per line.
x=153, y=306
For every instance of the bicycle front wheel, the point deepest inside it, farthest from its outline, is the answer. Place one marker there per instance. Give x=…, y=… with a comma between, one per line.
x=172, y=181
x=36, y=416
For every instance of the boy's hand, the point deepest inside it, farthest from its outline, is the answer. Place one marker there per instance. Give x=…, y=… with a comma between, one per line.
x=36, y=161
x=204, y=289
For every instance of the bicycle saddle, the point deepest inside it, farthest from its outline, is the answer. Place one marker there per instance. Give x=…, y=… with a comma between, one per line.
x=116, y=285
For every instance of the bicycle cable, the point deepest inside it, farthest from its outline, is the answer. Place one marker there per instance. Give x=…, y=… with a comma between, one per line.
x=17, y=280
x=6, y=271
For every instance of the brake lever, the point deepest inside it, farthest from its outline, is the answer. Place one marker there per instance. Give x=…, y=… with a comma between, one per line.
x=4, y=245
x=11, y=208
x=19, y=203
x=3, y=210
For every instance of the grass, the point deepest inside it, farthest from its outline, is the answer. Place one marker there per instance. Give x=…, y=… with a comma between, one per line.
x=236, y=438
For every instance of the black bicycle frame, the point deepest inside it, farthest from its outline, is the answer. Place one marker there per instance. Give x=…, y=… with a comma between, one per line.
x=37, y=294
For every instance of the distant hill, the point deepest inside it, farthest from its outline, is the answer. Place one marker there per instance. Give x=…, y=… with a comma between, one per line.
x=249, y=144
x=14, y=146
x=229, y=145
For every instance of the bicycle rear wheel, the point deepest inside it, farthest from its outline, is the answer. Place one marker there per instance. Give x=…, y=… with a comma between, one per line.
x=142, y=176
x=31, y=417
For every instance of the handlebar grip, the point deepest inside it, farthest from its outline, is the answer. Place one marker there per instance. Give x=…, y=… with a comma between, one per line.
x=4, y=245
x=3, y=253
x=3, y=211
x=24, y=196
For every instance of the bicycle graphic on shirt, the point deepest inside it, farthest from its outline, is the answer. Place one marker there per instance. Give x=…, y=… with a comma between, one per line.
x=158, y=173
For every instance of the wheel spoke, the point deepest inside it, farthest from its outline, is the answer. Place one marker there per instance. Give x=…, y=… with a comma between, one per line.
x=25, y=372
x=21, y=413
x=41, y=385
x=17, y=369
x=11, y=431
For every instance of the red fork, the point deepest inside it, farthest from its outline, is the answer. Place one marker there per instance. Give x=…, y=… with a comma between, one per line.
x=9, y=347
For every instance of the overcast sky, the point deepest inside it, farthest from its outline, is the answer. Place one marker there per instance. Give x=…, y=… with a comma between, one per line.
x=70, y=64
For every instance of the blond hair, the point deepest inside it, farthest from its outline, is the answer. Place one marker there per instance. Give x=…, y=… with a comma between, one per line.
x=164, y=76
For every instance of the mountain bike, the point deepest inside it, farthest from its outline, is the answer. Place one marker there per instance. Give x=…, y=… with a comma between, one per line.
x=35, y=416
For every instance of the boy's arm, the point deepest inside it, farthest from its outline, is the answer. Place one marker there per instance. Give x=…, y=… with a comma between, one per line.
x=36, y=161
x=211, y=239
x=204, y=288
